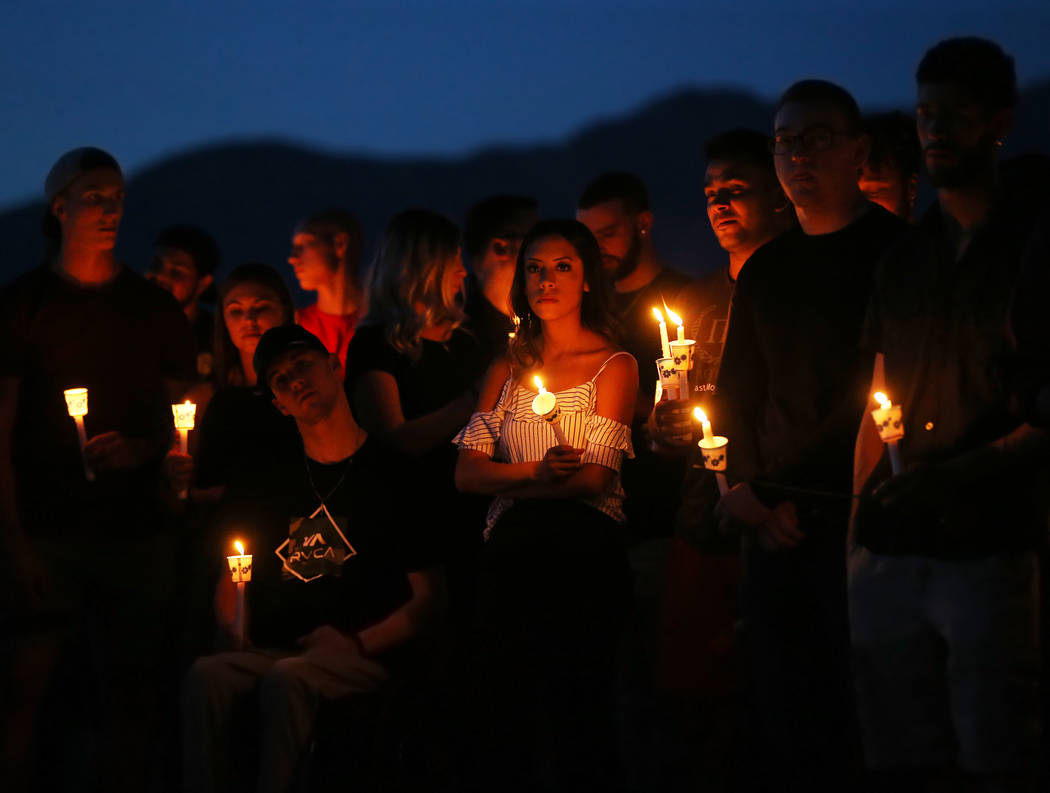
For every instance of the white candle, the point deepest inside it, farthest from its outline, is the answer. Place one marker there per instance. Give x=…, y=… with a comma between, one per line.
x=665, y=344
x=677, y=320
x=890, y=423
x=713, y=449
x=546, y=405
x=241, y=573
x=77, y=405
x=184, y=415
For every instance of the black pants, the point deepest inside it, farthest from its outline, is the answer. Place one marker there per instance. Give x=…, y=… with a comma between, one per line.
x=798, y=645
x=554, y=589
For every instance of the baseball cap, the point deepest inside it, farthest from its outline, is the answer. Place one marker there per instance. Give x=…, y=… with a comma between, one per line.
x=275, y=343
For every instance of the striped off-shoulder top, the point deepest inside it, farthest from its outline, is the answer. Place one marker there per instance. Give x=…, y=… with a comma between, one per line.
x=513, y=433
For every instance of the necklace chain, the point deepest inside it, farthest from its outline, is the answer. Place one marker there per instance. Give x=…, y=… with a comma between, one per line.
x=338, y=484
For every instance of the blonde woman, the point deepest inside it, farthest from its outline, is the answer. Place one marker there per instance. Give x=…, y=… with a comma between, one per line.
x=412, y=374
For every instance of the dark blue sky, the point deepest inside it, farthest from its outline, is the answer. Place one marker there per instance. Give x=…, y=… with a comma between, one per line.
x=146, y=78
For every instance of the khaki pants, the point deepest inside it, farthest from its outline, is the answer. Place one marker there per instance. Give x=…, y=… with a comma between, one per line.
x=289, y=689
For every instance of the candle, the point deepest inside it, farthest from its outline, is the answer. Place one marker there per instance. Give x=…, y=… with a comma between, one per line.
x=240, y=573
x=184, y=415
x=890, y=424
x=665, y=345
x=546, y=405
x=77, y=405
x=677, y=320
x=713, y=449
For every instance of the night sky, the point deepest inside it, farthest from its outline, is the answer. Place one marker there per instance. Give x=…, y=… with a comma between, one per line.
x=146, y=79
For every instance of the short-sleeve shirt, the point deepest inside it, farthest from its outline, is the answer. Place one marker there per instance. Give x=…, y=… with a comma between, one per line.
x=120, y=340
x=514, y=432
x=793, y=382
x=941, y=327
x=346, y=567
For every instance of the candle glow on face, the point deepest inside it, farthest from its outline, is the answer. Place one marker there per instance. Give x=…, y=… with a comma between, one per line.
x=76, y=401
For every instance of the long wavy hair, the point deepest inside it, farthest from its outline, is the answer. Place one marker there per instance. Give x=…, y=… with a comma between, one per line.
x=596, y=313
x=228, y=371
x=417, y=248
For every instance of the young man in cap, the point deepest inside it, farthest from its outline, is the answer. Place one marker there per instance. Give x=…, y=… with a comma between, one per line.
x=344, y=585
x=87, y=562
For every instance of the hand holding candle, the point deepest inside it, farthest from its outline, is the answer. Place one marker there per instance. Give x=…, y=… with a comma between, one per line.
x=240, y=573
x=546, y=405
x=713, y=449
x=77, y=405
x=890, y=423
x=184, y=415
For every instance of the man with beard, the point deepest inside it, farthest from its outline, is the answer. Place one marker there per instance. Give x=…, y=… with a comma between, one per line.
x=184, y=262
x=791, y=390
x=943, y=576
x=615, y=207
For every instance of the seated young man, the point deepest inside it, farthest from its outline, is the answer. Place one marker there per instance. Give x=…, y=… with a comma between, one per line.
x=342, y=587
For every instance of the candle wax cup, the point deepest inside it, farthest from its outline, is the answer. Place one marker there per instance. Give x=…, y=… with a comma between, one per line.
x=890, y=422
x=184, y=414
x=240, y=568
x=668, y=374
x=544, y=403
x=682, y=354
x=714, y=452
x=76, y=401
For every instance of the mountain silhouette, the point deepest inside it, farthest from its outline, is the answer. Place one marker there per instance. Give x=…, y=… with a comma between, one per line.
x=249, y=194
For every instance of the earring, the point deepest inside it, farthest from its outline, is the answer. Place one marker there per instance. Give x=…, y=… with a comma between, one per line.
x=998, y=143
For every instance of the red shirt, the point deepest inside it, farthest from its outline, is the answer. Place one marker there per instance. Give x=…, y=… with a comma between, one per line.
x=334, y=330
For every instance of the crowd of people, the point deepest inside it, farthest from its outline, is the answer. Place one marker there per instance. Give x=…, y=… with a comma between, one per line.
x=453, y=587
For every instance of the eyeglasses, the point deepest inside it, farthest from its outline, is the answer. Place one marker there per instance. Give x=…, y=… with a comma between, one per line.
x=818, y=138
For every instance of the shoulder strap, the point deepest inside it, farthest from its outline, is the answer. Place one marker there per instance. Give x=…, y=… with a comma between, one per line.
x=607, y=360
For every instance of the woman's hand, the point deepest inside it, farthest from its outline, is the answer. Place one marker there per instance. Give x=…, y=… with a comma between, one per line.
x=177, y=469
x=558, y=463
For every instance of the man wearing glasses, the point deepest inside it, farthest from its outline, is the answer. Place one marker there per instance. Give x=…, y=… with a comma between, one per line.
x=791, y=391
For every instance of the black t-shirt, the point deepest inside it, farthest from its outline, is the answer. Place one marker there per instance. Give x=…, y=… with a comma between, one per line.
x=941, y=326
x=641, y=331
x=120, y=340
x=440, y=373
x=794, y=382
x=204, y=339
x=489, y=325
x=239, y=426
x=348, y=572
x=705, y=307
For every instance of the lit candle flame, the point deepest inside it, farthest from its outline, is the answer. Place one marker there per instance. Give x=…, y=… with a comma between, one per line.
x=657, y=314
x=239, y=547
x=677, y=320
x=700, y=415
x=539, y=384
x=882, y=399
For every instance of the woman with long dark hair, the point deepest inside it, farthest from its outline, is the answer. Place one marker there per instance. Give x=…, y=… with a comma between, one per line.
x=555, y=581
